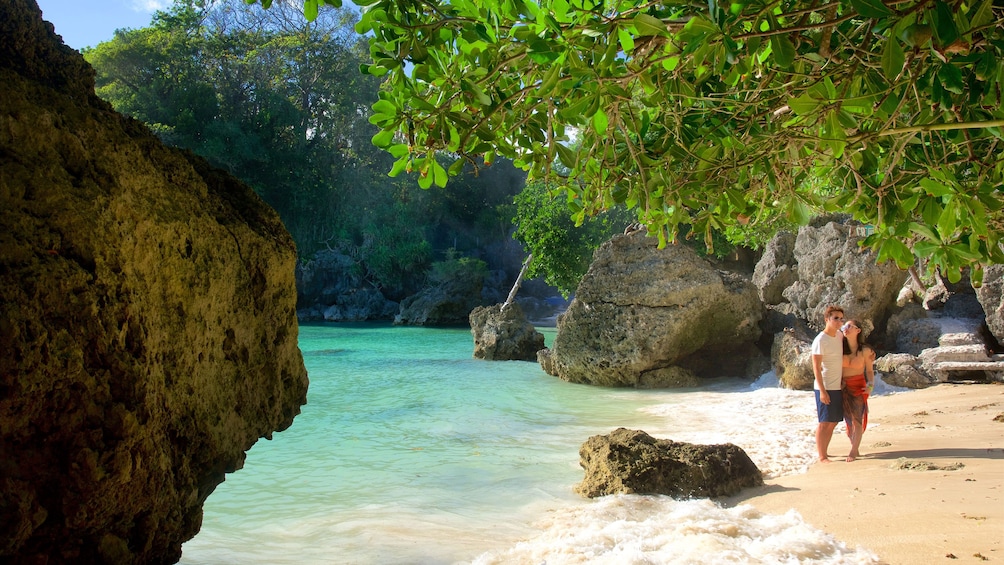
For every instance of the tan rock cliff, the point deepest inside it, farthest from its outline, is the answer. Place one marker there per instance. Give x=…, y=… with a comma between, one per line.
x=147, y=319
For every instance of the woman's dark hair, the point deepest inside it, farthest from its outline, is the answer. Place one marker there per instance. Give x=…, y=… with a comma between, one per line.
x=861, y=339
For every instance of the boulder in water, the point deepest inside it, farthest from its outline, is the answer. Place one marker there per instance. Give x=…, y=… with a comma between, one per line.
x=504, y=334
x=633, y=462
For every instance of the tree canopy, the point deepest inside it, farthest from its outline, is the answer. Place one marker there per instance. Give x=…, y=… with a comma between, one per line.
x=279, y=102
x=714, y=115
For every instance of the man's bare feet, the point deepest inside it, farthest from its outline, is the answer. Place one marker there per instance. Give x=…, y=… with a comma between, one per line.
x=849, y=458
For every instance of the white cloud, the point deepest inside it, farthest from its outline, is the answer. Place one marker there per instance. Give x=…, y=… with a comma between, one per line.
x=150, y=6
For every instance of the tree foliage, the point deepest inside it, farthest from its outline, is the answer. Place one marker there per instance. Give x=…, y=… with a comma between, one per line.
x=279, y=102
x=561, y=251
x=274, y=99
x=715, y=115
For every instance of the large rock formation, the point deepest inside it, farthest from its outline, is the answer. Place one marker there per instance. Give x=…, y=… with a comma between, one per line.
x=331, y=288
x=991, y=297
x=791, y=355
x=504, y=334
x=448, y=303
x=649, y=317
x=832, y=269
x=633, y=462
x=147, y=323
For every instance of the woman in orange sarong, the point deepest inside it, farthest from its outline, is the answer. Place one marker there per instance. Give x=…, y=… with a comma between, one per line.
x=857, y=383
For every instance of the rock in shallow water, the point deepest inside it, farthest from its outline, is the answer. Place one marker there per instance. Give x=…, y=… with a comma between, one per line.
x=633, y=462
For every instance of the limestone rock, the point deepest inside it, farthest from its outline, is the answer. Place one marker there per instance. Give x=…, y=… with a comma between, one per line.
x=329, y=287
x=912, y=329
x=777, y=269
x=792, y=358
x=633, y=462
x=833, y=269
x=147, y=319
x=904, y=370
x=991, y=297
x=448, y=303
x=640, y=309
x=504, y=334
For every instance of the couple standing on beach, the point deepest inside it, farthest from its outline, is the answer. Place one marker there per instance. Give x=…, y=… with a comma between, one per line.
x=845, y=376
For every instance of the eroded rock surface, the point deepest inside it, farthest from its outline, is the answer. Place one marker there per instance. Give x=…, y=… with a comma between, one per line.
x=448, y=303
x=147, y=319
x=633, y=462
x=649, y=317
x=833, y=269
x=504, y=334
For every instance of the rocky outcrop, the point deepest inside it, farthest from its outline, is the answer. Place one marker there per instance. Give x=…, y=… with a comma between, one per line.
x=833, y=269
x=991, y=297
x=792, y=360
x=330, y=288
x=504, y=334
x=633, y=462
x=649, y=317
x=902, y=369
x=777, y=268
x=147, y=320
x=448, y=303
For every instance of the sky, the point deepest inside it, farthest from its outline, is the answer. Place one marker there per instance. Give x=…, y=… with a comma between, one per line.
x=85, y=23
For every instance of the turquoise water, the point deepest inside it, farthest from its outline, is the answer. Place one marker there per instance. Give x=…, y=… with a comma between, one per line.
x=411, y=451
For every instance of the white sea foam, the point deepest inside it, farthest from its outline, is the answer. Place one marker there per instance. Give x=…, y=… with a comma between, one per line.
x=634, y=529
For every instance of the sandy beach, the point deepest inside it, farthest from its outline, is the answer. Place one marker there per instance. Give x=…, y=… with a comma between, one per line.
x=929, y=487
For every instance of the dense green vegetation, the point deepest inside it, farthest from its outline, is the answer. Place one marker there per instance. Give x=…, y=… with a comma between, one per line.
x=715, y=116
x=279, y=102
x=561, y=250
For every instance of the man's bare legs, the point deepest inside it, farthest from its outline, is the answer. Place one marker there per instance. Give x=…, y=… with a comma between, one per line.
x=824, y=433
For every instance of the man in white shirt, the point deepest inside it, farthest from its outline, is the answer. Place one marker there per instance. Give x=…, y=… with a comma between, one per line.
x=827, y=361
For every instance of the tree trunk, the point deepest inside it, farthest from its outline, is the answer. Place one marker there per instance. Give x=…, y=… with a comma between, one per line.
x=519, y=281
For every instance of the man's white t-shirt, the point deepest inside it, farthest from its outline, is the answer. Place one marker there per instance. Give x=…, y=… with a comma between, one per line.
x=832, y=350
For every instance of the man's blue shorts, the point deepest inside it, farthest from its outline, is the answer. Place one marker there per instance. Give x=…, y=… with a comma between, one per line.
x=832, y=412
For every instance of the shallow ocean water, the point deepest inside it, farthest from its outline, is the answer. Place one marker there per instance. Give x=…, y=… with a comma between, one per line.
x=409, y=451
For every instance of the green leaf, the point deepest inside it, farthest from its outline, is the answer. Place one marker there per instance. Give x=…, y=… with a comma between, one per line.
x=398, y=150
x=931, y=210
x=871, y=8
x=600, y=122
x=399, y=166
x=944, y=24
x=626, y=41
x=384, y=107
x=951, y=78
x=424, y=178
x=924, y=231
x=983, y=15
x=935, y=188
x=804, y=105
x=383, y=138
x=947, y=221
x=784, y=50
x=893, y=59
x=566, y=155
x=310, y=10
x=649, y=25
x=895, y=250
x=439, y=175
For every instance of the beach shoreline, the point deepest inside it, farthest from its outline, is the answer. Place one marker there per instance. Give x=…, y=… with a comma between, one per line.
x=928, y=488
